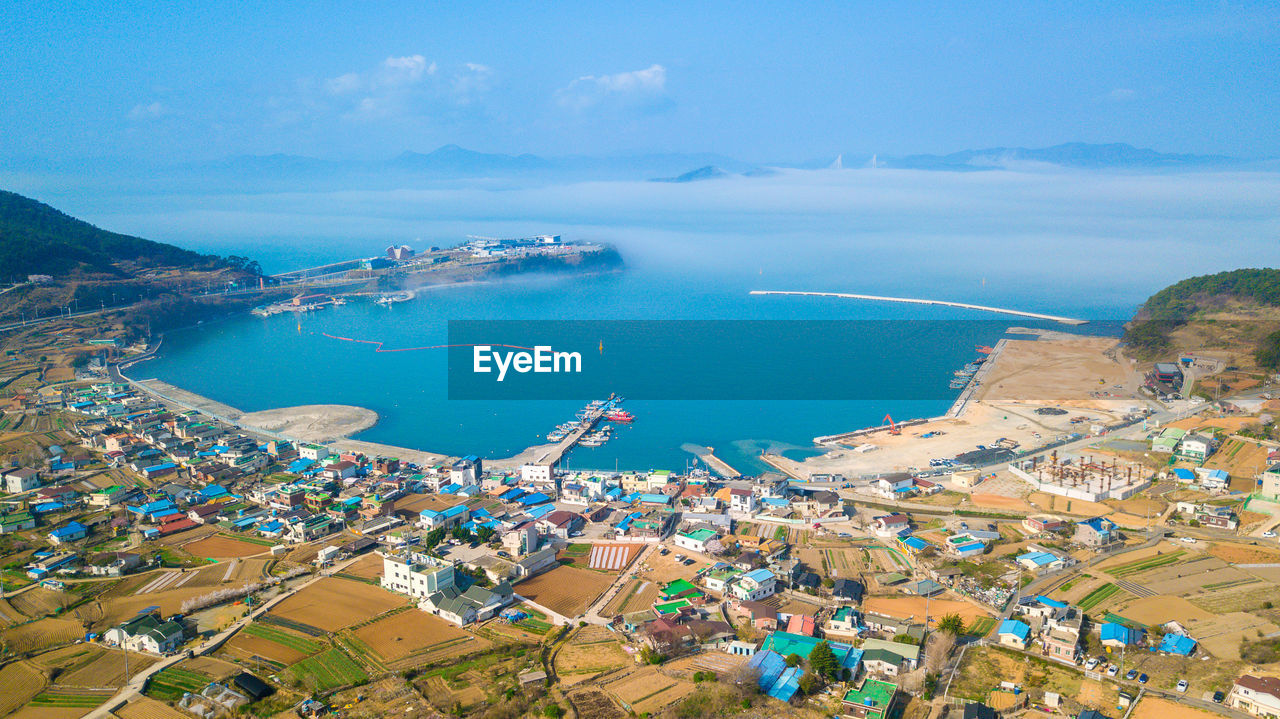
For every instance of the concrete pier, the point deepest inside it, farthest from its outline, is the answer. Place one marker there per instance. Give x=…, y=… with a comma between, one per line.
x=919, y=301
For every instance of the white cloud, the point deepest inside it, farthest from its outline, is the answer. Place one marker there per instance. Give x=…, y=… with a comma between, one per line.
x=471, y=81
x=638, y=88
x=148, y=111
x=398, y=87
x=1121, y=94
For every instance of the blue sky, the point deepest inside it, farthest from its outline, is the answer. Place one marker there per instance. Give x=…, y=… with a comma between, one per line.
x=188, y=81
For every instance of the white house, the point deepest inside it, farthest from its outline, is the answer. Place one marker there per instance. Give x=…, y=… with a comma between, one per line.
x=1259, y=696
x=21, y=479
x=695, y=541
x=146, y=633
x=536, y=473
x=893, y=485
x=742, y=500
x=754, y=585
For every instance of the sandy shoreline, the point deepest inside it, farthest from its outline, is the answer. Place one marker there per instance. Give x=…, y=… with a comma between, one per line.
x=313, y=422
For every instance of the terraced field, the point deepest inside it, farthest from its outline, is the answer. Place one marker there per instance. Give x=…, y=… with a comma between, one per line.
x=328, y=670
x=1098, y=596
x=171, y=683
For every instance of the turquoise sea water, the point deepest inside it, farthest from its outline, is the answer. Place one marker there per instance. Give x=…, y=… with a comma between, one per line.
x=258, y=363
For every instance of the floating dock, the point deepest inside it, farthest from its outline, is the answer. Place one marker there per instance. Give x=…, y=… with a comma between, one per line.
x=919, y=301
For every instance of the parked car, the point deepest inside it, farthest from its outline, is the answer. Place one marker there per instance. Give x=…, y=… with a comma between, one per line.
x=1142, y=678
x=1093, y=662
x=1113, y=670
x=1131, y=674
x=1182, y=685
x=1269, y=534
x=1189, y=540
x=1218, y=696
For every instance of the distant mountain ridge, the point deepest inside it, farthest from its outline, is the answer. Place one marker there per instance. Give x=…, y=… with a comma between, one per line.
x=707, y=172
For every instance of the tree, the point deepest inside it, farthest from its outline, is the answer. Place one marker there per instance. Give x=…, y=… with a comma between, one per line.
x=952, y=624
x=793, y=660
x=434, y=537
x=822, y=661
x=810, y=683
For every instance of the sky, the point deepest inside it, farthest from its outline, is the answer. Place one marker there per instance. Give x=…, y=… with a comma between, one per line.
x=176, y=82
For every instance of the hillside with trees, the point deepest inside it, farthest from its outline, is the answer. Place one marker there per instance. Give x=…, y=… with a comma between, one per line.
x=1235, y=312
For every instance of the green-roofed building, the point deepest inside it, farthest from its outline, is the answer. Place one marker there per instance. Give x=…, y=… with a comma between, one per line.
x=671, y=607
x=678, y=588
x=873, y=700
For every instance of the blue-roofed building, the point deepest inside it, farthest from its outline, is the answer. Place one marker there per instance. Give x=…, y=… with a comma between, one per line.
x=540, y=511
x=46, y=507
x=754, y=585
x=213, y=491
x=298, y=466
x=914, y=545
x=450, y=488
x=1014, y=633
x=786, y=643
x=1184, y=475
x=656, y=500
x=1179, y=644
x=69, y=533
x=511, y=495
x=769, y=665
x=1117, y=635
x=443, y=518
x=1096, y=532
x=1052, y=603
x=1040, y=560
x=530, y=500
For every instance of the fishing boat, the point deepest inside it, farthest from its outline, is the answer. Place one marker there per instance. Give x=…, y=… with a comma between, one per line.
x=556, y=436
x=619, y=415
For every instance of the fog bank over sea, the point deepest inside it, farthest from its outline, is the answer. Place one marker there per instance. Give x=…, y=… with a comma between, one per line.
x=1090, y=244
x=1056, y=234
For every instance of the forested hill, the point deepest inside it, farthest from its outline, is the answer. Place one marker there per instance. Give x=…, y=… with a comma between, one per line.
x=1182, y=300
x=38, y=239
x=1235, y=309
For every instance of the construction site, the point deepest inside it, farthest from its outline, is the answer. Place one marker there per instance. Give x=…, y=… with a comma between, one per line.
x=1083, y=478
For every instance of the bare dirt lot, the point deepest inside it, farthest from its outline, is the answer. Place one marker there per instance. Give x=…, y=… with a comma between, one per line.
x=223, y=547
x=637, y=594
x=568, y=591
x=903, y=607
x=1156, y=708
x=367, y=567
x=1055, y=369
x=332, y=603
x=1162, y=608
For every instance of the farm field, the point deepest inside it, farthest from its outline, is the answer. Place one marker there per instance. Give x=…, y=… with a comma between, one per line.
x=170, y=683
x=329, y=670
x=415, y=633
x=333, y=603
x=568, y=591
x=220, y=546
x=645, y=690
x=273, y=643
x=636, y=595
x=146, y=708
x=124, y=599
x=903, y=607
x=21, y=682
x=1239, y=459
x=1098, y=596
x=1244, y=553
x=1221, y=635
x=1202, y=573
x=589, y=651
x=1162, y=608
x=367, y=567
x=419, y=502
x=102, y=668
x=41, y=634
x=40, y=602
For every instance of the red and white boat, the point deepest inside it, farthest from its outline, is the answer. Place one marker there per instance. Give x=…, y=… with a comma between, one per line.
x=619, y=415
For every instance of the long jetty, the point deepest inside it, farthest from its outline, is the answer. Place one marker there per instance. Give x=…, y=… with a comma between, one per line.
x=921, y=301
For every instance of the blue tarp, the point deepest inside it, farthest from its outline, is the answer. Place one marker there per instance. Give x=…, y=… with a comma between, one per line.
x=1179, y=644
x=536, y=498
x=47, y=507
